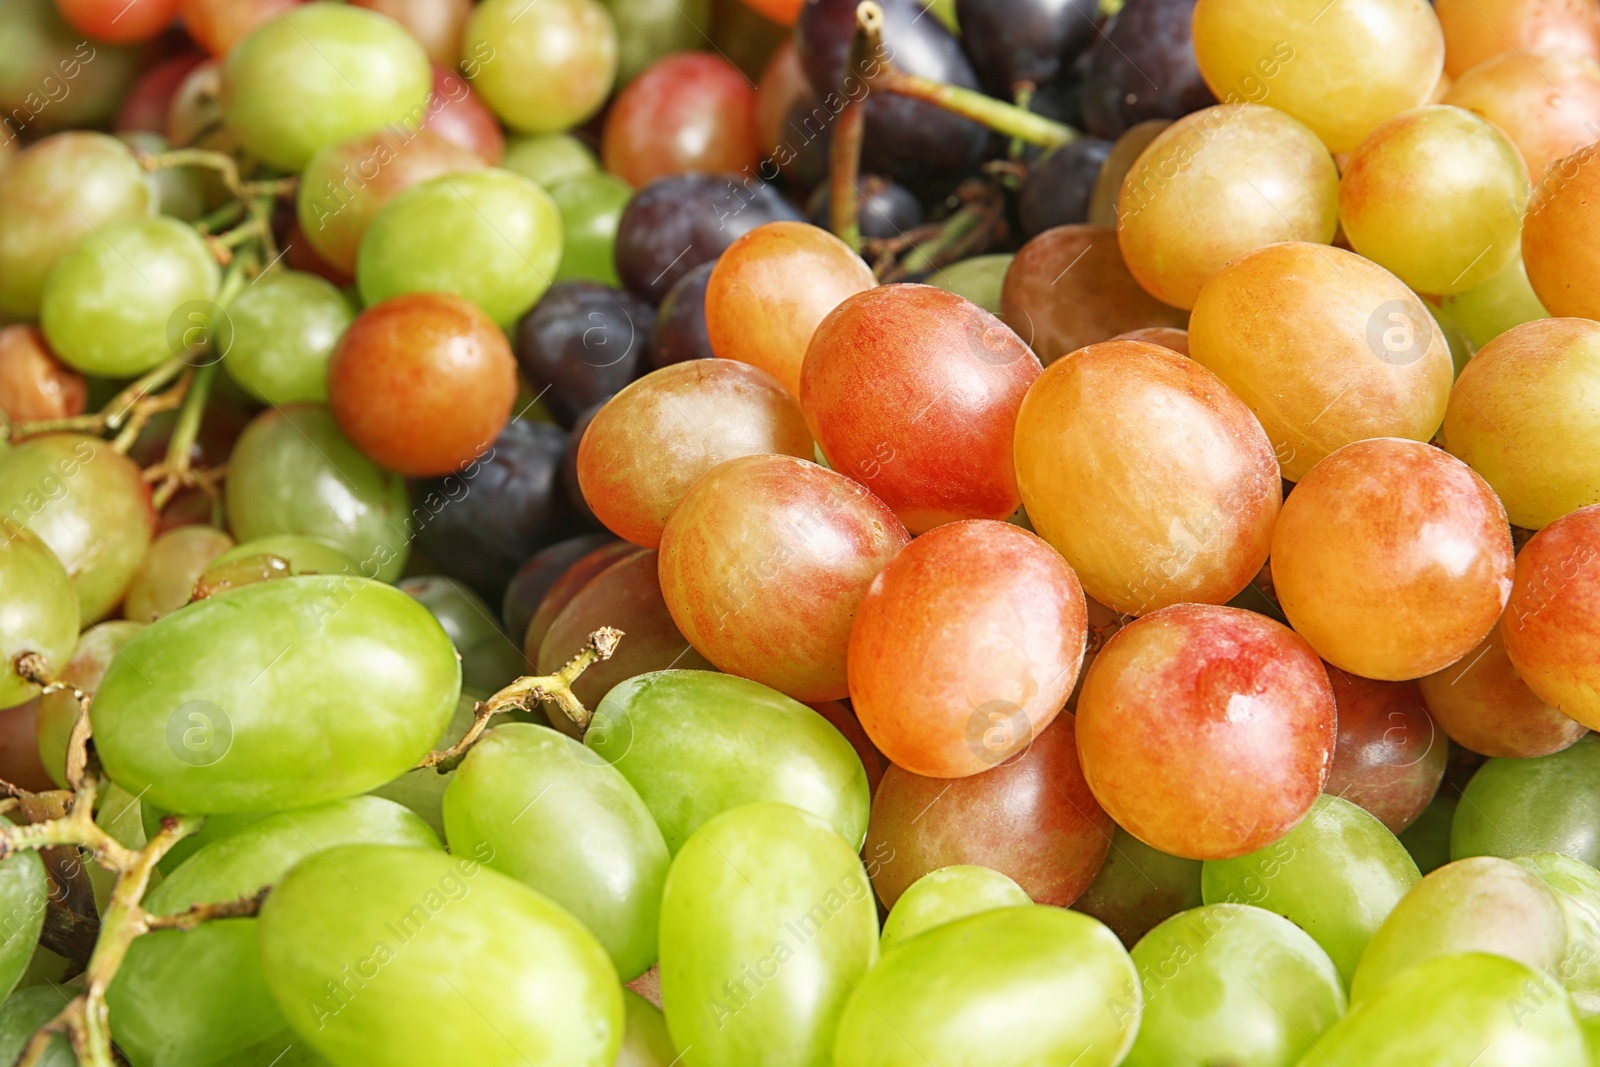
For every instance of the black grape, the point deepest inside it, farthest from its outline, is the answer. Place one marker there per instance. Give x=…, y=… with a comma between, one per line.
x=581, y=343
x=1056, y=191
x=887, y=210
x=680, y=332
x=1143, y=68
x=537, y=574
x=1015, y=41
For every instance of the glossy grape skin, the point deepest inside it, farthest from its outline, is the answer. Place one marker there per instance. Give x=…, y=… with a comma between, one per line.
x=680, y=331
x=1544, y=102
x=965, y=647
x=1031, y=818
x=1069, y=287
x=1057, y=188
x=1472, y=1007
x=1125, y=151
x=1576, y=886
x=490, y=236
x=887, y=210
x=1483, y=704
x=320, y=74
x=1147, y=35
x=690, y=111
x=582, y=343
x=1153, y=480
x=347, y=183
x=1478, y=30
x=53, y=77
x=572, y=44
x=591, y=208
x=1067, y=988
x=650, y=442
x=1139, y=887
x=1218, y=184
x=292, y=472
x=1342, y=76
x=40, y=611
x=1545, y=804
x=167, y=573
x=285, y=326
x=1390, y=757
x=490, y=660
x=767, y=898
x=1023, y=40
x=591, y=845
x=1337, y=875
x=696, y=744
x=34, y=384
x=436, y=24
x=1550, y=629
x=763, y=565
x=457, y=115
x=675, y=224
x=23, y=895
x=1325, y=347
x=578, y=574
x=945, y=895
x=483, y=947
x=548, y=158
x=772, y=288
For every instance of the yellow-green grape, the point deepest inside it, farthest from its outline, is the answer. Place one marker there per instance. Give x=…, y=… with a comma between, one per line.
x=945, y=895
x=542, y=66
x=1489, y=309
x=40, y=612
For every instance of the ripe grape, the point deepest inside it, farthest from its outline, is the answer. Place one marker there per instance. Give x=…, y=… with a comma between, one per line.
x=218, y=25
x=886, y=210
x=1479, y=30
x=582, y=343
x=571, y=582
x=1016, y=41
x=1546, y=804
x=945, y=895
x=647, y=30
x=1389, y=758
x=41, y=610
x=145, y=107
x=1139, y=887
x=538, y=575
x=53, y=78
x=549, y=158
x=591, y=209
x=284, y=327
x=1125, y=151
x=1547, y=103
x=571, y=44
x=1484, y=705
x=436, y=24
x=167, y=574
x=304, y=555
x=781, y=86
x=1559, y=245
x=1146, y=35
x=1576, y=886
x=23, y=888
x=459, y=116
x=690, y=111
x=680, y=331
x=119, y=21
x=34, y=384
x=1057, y=189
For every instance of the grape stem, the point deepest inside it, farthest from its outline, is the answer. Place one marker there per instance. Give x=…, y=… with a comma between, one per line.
x=528, y=692
x=129, y=410
x=844, y=164
x=226, y=167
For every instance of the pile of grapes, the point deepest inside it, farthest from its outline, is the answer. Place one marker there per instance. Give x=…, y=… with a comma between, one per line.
x=799, y=533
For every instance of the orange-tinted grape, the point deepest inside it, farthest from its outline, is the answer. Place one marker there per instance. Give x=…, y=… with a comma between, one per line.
x=1165, y=336
x=119, y=21
x=691, y=111
x=218, y=25
x=457, y=114
x=1217, y=184
x=651, y=441
x=437, y=24
x=1325, y=347
x=1206, y=732
x=1552, y=624
x=1561, y=236
x=1389, y=758
x=34, y=384
x=1477, y=30
x=1148, y=475
x=914, y=391
x=764, y=563
x=167, y=574
x=1547, y=103
x=782, y=85
x=1484, y=705
x=1392, y=558
x=965, y=647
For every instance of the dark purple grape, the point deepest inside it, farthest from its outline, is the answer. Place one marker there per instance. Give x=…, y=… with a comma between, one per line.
x=582, y=342
x=674, y=224
x=906, y=139
x=1143, y=67
x=803, y=152
x=1015, y=41
x=537, y=574
x=569, y=465
x=887, y=210
x=478, y=526
x=1061, y=99
x=1056, y=191
x=680, y=332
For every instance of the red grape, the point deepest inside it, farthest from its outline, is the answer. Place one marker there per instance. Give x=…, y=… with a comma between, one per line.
x=147, y=103
x=218, y=25
x=691, y=111
x=572, y=582
x=119, y=21
x=1390, y=757
x=1552, y=624
x=1483, y=704
x=456, y=114
x=437, y=24
x=34, y=384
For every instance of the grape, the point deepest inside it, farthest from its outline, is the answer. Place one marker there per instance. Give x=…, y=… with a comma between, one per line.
x=650, y=442
x=544, y=73
x=53, y=78
x=548, y=159
x=965, y=647
x=569, y=467
x=88, y=504
x=645, y=1040
x=648, y=30
x=1057, y=189
x=457, y=114
x=844, y=720
x=145, y=107
x=1499, y=304
x=591, y=845
x=1546, y=103
x=1069, y=287
x=1392, y=558
x=582, y=343
x=696, y=744
x=1336, y=875
x=978, y=280
x=320, y=74
x=1550, y=629
x=119, y=21
x=23, y=1013
x=1325, y=347
x=1576, y=886
x=292, y=472
x=284, y=328
x=1125, y=151
x=752, y=960
x=945, y=895
x=346, y=184
x=490, y=236
x=1031, y=818
x=1165, y=336
x=886, y=211
x=781, y=86
x=421, y=789
x=1147, y=35
x=448, y=946
x=1192, y=526
x=34, y=384
x=591, y=208
x=1024, y=41
x=218, y=25
x=1546, y=804
x=23, y=897
x=490, y=660
x=1478, y=30
x=1428, y=839
x=571, y=582
x=690, y=111
x=1468, y=1008
x=181, y=192
x=764, y=563
x=58, y=711
x=1519, y=415
x=1482, y=703
x=1341, y=75
x=1389, y=758
x=772, y=288
x=1218, y=184
x=680, y=331
x=167, y=574
x=1139, y=887
x=436, y=24
x=1035, y=985
x=53, y=195
x=304, y=555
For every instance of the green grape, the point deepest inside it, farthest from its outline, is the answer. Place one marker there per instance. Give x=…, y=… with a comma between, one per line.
x=422, y=790
x=89, y=504
x=1139, y=886
x=215, y=828
x=572, y=44
x=1590, y=1024
x=1034, y=985
x=979, y=279
x=318, y=75
x=696, y=743
x=24, y=893
x=492, y=237
x=650, y=29
x=197, y=997
x=166, y=576
x=1488, y=310
x=180, y=192
x=304, y=555
x=1483, y=904
x=767, y=925
x=1546, y=804
x=58, y=711
x=293, y=472
x=23, y=1013
x=645, y=1040
x=591, y=207
x=548, y=158
x=1428, y=839
x=391, y=957
x=945, y=895
x=117, y=304
x=54, y=77
x=276, y=695
x=39, y=612
x=490, y=660
x=1471, y=1008
x=1576, y=886
x=284, y=327
x=1337, y=876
